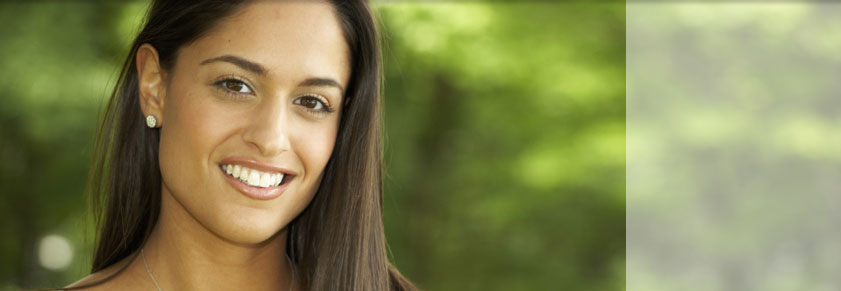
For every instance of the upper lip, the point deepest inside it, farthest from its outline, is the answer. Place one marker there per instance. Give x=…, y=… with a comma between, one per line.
x=257, y=165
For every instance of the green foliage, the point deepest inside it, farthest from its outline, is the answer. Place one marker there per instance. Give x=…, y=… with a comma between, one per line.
x=57, y=59
x=505, y=151
x=733, y=151
x=504, y=124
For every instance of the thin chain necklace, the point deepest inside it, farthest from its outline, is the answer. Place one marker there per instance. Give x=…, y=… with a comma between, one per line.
x=143, y=255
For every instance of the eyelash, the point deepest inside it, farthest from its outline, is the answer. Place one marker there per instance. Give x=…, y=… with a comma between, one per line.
x=237, y=95
x=326, y=108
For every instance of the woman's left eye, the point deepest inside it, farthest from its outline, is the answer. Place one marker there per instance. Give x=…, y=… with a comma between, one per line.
x=311, y=103
x=236, y=86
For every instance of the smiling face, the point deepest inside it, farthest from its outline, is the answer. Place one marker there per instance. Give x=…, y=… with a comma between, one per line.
x=259, y=93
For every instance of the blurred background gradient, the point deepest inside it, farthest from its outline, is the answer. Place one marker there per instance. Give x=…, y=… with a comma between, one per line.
x=505, y=146
x=734, y=145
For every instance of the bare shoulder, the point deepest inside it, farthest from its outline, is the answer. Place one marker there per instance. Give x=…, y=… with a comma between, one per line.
x=89, y=283
x=108, y=278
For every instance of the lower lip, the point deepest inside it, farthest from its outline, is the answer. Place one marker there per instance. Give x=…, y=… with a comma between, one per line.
x=256, y=193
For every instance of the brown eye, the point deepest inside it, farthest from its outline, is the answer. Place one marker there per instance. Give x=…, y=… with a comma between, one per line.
x=311, y=103
x=235, y=86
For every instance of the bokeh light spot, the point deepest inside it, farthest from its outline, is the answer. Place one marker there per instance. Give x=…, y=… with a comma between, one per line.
x=55, y=252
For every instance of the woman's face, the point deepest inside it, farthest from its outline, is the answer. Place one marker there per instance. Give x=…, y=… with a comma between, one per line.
x=261, y=91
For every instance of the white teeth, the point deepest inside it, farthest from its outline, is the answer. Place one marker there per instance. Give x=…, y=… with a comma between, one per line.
x=264, y=180
x=236, y=172
x=253, y=177
x=243, y=174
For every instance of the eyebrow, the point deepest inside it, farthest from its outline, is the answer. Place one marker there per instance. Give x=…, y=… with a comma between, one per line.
x=321, y=82
x=239, y=62
x=260, y=70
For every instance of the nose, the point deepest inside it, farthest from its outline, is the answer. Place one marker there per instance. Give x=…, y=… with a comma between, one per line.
x=267, y=129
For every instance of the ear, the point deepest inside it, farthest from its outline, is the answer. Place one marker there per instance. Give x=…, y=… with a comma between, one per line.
x=150, y=82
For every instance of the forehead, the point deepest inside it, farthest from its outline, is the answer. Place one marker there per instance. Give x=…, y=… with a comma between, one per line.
x=289, y=38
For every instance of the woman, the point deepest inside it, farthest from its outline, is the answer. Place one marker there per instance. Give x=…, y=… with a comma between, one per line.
x=241, y=150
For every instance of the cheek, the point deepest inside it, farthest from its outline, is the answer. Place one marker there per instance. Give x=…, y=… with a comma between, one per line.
x=192, y=127
x=314, y=145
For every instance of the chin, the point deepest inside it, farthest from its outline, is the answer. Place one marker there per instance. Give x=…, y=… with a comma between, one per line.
x=248, y=233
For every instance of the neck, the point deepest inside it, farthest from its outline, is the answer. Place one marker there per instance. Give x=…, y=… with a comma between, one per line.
x=184, y=255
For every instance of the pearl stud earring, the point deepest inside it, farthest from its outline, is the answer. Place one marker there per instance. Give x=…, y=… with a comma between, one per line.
x=151, y=121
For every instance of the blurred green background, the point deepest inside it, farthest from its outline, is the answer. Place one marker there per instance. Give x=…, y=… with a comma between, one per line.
x=734, y=145
x=505, y=140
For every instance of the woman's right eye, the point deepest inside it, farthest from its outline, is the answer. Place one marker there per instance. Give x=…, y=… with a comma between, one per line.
x=234, y=86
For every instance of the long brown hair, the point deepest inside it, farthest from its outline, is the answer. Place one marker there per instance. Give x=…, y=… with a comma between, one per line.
x=337, y=242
